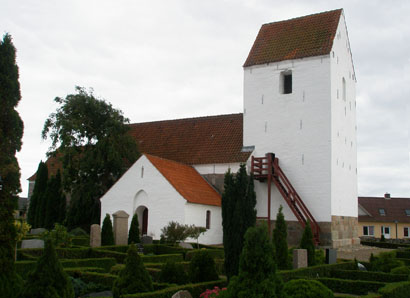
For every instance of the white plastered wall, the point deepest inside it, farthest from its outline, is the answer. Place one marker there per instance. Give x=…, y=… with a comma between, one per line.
x=344, y=145
x=148, y=188
x=220, y=168
x=296, y=127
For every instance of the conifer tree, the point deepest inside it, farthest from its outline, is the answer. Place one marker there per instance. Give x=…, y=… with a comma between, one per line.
x=238, y=214
x=134, y=233
x=107, y=235
x=36, y=209
x=11, y=132
x=280, y=240
x=307, y=243
x=134, y=278
x=48, y=279
x=257, y=271
x=54, y=199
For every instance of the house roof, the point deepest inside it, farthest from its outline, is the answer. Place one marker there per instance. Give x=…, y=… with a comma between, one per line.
x=301, y=37
x=187, y=181
x=395, y=209
x=202, y=140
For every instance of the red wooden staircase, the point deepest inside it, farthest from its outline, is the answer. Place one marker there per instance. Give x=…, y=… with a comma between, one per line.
x=267, y=169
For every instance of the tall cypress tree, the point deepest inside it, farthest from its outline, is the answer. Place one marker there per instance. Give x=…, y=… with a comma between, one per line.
x=280, y=235
x=11, y=132
x=53, y=198
x=238, y=214
x=307, y=243
x=36, y=209
x=107, y=235
x=134, y=233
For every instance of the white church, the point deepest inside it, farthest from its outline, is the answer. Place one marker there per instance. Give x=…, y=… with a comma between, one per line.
x=297, y=136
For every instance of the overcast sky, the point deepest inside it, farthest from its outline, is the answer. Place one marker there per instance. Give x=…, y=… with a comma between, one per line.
x=158, y=60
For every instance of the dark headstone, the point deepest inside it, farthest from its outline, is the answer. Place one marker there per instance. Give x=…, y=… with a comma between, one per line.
x=37, y=231
x=331, y=256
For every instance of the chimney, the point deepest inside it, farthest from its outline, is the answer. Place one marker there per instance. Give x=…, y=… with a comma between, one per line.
x=387, y=196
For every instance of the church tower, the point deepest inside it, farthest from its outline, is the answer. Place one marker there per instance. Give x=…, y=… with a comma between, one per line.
x=300, y=104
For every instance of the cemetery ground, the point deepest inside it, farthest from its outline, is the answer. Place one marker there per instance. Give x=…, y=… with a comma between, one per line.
x=95, y=269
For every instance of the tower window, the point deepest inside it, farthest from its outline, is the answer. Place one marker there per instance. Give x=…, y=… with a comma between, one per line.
x=286, y=82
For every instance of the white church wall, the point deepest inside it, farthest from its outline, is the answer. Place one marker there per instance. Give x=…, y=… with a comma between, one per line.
x=195, y=214
x=143, y=185
x=296, y=127
x=219, y=168
x=344, y=145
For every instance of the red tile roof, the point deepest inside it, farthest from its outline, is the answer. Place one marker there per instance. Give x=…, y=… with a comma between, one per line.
x=187, y=181
x=394, y=208
x=53, y=165
x=202, y=140
x=306, y=36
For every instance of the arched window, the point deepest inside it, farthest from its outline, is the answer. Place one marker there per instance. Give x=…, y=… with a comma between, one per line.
x=208, y=219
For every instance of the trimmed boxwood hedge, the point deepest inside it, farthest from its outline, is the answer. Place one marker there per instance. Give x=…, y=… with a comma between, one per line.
x=315, y=271
x=395, y=290
x=368, y=275
x=105, y=263
x=195, y=290
x=405, y=261
x=80, y=241
x=214, y=253
x=73, y=270
x=162, y=258
x=384, y=244
x=355, y=287
x=163, y=249
x=95, y=277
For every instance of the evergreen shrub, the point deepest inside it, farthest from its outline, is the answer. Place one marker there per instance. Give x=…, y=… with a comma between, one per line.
x=134, y=233
x=134, y=277
x=172, y=272
x=385, y=262
x=307, y=243
x=395, y=290
x=107, y=235
x=280, y=235
x=214, y=253
x=302, y=288
x=354, y=287
x=202, y=267
x=48, y=279
x=369, y=275
x=403, y=270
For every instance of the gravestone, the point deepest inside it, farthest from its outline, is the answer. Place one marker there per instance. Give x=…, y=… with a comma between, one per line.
x=95, y=235
x=146, y=239
x=182, y=294
x=185, y=245
x=331, y=256
x=37, y=231
x=300, y=258
x=120, y=227
x=32, y=243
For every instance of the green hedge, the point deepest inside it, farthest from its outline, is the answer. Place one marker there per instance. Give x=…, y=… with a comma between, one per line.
x=73, y=270
x=23, y=268
x=405, y=261
x=355, y=287
x=118, y=248
x=80, y=241
x=94, y=277
x=368, y=275
x=214, y=253
x=162, y=258
x=384, y=244
x=195, y=290
x=105, y=263
x=396, y=290
x=315, y=271
x=163, y=249
x=154, y=273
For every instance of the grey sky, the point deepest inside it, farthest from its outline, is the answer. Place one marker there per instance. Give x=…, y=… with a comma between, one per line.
x=172, y=59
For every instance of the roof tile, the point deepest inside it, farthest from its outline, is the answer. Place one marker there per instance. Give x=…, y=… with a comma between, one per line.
x=394, y=208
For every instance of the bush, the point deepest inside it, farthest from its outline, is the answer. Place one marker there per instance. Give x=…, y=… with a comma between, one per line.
x=368, y=275
x=175, y=232
x=134, y=233
x=59, y=236
x=214, y=253
x=302, y=288
x=395, y=290
x=385, y=262
x=105, y=263
x=162, y=258
x=257, y=269
x=202, y=268
x=355, y=287
x=133, y=278
x=315, y=271
x=280, y=235
x=48, y=278
x=107, y=235
x=307, y=243
x=172, y=272
x=81, y=241
x=401, y=270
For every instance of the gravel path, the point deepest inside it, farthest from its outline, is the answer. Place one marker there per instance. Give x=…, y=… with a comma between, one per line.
x=361, y=252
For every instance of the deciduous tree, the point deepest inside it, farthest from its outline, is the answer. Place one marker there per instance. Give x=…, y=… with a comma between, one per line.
x=91, y=138
x=11, y=132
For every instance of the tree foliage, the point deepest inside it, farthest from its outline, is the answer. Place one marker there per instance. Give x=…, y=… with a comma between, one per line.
x=48, y=279
x=134, y=232
x=173, y=273
x=55, y=202
x=302, y=288
x=175, y=232
x=91, y=138
x=134, y=278
x=37, y=201
x=257, y=271
x=238, y=214
x=107, y=235
x=280, y=241
x=307, y=243
x=11, y=132
x=202, y=267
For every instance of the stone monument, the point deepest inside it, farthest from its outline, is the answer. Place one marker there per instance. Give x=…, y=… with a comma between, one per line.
x=120, y=227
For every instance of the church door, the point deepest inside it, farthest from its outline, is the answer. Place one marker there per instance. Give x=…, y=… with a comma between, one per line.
x=145, y=221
